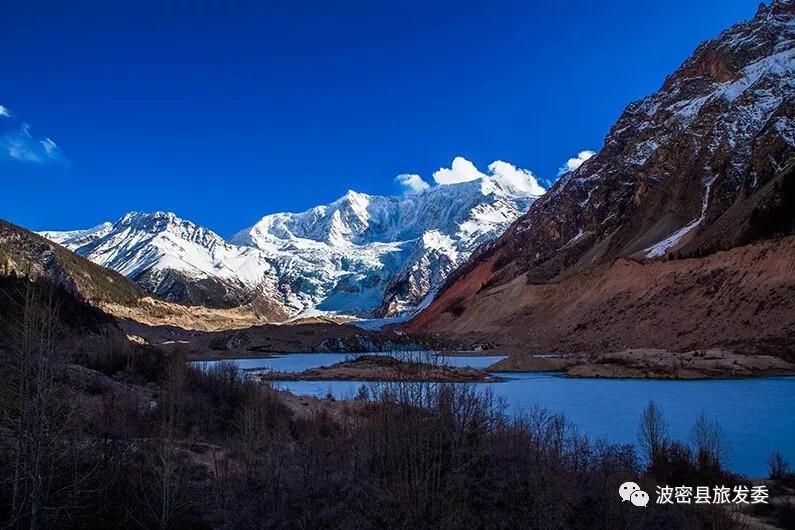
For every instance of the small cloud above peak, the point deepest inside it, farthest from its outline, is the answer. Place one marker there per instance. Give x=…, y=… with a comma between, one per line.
x=4, y=112
x=575, y=162
x=461, y=170
x=510, y=178
x=411, y=183
x=517, y=179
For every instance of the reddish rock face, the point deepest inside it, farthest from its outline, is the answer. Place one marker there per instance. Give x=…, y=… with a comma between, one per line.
x=709, y=63
x=683, y=172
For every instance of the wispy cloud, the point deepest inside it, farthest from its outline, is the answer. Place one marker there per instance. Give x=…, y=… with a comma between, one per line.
x=411, y=183
x=573, y=163
x=17, y=142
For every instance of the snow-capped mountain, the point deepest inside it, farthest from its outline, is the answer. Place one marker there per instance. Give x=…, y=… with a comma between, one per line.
x=682, y=169
x=359, y=255
x=177, y=260
x=77, y=238
x=703, y=165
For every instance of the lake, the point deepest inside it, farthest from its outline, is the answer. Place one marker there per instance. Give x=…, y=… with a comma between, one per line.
x=757, y=416
x=297, y=362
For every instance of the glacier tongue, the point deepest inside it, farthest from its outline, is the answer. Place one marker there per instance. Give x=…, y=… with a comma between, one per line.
x=360, y=255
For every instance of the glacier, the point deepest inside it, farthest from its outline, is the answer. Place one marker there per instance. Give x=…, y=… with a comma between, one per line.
x=363, y=256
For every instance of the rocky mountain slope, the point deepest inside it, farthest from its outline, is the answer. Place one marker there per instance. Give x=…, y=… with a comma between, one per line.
x=359, y=255
x=179, y=261
x=704, y=164
x=25, y=253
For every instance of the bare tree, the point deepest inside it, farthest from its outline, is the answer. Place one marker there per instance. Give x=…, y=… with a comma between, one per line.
x=777, y=466
x=36, y=411
x=708, y=442
x=652, y=433
x=258, y=420
x=166, y=497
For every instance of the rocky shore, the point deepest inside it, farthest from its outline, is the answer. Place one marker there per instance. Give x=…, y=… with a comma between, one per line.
x=650, y=364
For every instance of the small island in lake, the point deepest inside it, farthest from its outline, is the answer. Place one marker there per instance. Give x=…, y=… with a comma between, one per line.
x=383, y=368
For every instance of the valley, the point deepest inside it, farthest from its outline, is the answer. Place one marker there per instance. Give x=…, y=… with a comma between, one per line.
x=476, y=351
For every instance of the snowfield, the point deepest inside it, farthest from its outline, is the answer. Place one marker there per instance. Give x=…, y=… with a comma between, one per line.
x=361, y=255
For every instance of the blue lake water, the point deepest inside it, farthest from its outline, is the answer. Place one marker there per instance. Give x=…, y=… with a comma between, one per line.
x=297, y=362
x=757, y=416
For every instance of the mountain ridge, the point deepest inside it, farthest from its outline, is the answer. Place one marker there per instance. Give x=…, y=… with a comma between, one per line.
x=25, y=253
x=695, y=168
x=339, y=258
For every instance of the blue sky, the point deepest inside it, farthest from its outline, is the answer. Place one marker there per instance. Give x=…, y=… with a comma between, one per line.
x=224, y=111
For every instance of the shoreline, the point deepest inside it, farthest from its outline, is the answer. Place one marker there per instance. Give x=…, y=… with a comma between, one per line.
x=249, y=354
x=640, y=363
x=647, y=363
x=382, y=368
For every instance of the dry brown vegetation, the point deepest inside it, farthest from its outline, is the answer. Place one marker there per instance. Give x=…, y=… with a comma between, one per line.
x=119, y=435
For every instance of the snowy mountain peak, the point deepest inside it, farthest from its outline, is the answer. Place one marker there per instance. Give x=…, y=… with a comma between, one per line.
x=354, y=196
x=170, y=257
x=357, y=255
x=345, y=256
x=158, y=223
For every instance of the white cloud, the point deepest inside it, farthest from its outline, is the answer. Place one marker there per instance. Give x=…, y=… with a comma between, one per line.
x=4, y=112
x=50, y=148
x=573, y=163
x=518, y=179
x=20, y=144
x=411, y=183
x=462, y=170
x=512, y=179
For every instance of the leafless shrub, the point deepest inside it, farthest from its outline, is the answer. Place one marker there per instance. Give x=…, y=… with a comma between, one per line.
x=777, y=466
x=652, y=433
x=709, y=444
x=37, y=424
